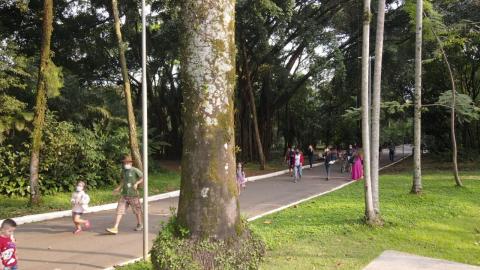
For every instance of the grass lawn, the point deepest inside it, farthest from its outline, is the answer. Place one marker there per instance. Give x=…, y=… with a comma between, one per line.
x=328, y=232
x=18, y=206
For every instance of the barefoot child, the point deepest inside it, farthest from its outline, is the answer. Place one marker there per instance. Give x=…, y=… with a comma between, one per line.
x=79, y=201
x=241, y=180
x=8, y=249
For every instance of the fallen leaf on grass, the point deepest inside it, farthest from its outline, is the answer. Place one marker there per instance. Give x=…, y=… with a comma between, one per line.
x=267, y=222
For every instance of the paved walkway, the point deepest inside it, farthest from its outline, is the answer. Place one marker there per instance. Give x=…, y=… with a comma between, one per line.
x=394, y=260
x=50, y=245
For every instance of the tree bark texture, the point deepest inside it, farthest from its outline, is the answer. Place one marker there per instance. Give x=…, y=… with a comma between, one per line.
x=132, y=126
x=417, y=118
x=208, y=205
x=376, y=99
x=369, y=211
x=458, y=181
x=41, y=101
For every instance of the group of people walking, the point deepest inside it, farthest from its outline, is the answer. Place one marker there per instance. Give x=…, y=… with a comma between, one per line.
x=130, y=180
x=352, y=158
x=296, y=160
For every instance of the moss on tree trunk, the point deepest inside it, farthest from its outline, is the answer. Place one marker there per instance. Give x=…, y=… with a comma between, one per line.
x=208, y=205
x=132, y=126
x=41, y=101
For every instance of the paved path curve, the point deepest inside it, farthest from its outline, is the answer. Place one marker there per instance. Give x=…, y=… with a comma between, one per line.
x=50, y=245
x=395, y=260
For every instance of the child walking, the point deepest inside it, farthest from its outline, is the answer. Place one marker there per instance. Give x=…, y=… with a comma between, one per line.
x=8, y=248
x=241, y=180
x=79, y=201
x=299, y=160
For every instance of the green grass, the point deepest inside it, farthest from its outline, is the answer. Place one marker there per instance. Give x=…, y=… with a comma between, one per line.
x=328, y=233
x=18, y=206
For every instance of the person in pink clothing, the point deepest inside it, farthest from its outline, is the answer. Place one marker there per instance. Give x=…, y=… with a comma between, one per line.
x=241, y=179
x=357, y=168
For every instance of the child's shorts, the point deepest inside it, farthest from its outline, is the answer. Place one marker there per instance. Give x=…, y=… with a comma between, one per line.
x=126, y=201
x=77, y=213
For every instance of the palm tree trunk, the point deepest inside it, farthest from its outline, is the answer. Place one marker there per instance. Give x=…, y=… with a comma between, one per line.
x=41, y=101
x=208, y=205
x=369, y=211
x=132, y=126
x=417, y=140
x=376, y=99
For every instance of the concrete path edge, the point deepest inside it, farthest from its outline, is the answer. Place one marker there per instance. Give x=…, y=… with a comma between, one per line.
x=104, y=207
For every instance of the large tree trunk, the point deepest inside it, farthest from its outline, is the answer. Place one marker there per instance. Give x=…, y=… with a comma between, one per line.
x=41, y=101
x=369, y=211
x=458, y=181
x=132, y=126
x=208, y=206
x=376, y=99
x=417, y=119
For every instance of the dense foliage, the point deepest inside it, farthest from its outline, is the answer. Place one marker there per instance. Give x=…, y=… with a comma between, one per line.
x=299, y=58
x=70, y=153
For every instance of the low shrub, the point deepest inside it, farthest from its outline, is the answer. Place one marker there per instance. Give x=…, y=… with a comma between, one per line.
x=173, y=250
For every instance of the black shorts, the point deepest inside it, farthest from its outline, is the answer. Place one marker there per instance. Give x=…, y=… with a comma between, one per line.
x=76, y=214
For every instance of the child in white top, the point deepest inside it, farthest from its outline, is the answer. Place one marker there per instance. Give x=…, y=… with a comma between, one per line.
x=241, y=179
x=79, y=201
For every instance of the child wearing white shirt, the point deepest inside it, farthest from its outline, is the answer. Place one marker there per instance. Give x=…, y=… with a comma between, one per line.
x=79, y=201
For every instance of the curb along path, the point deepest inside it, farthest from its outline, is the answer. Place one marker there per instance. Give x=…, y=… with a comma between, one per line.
x=111, y=206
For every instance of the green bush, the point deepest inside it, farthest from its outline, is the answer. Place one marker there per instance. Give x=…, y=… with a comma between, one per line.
x=173, y=250
x=14, y=167
x=69, y=153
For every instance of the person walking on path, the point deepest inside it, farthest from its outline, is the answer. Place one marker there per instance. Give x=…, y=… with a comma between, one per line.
x=350, y=152
x=241, y=179
x=299, y=160
x=357, y=168
x=287, y=160
x=329, y=160
x=8, y=247
x=310, y=154
x=391, y=151
x=128, y=188
x=79, y=201
x=291, y=160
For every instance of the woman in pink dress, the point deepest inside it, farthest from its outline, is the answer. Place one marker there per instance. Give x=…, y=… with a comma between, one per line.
x=357, y=169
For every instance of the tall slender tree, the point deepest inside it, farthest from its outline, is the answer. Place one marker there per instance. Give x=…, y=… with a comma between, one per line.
x=208, y=206
x=253, y=109
x=417, y=119
x=132, y=126
x=369, y=211
x=41, y=100
x=453, y=137
x=376, y=99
